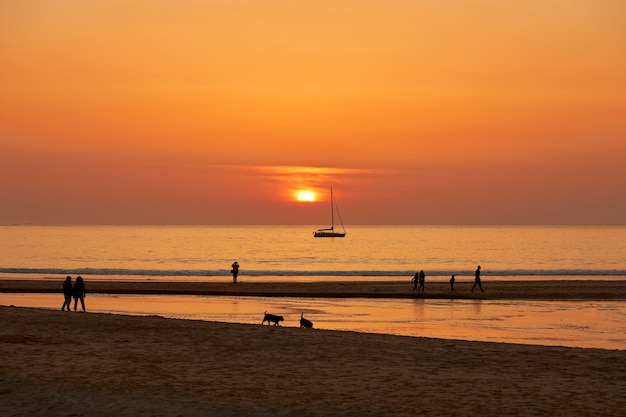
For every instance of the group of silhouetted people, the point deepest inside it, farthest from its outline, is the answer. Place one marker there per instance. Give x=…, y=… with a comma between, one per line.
x=418, y=281
x=77, y=291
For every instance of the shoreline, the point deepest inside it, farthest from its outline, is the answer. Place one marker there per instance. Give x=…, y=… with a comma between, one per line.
x=494, y=290
x=103, y=364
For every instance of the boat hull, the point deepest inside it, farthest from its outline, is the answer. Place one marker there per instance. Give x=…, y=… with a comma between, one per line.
x=328, y=234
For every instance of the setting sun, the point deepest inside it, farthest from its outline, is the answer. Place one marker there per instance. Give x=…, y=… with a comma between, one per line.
x=306, y=196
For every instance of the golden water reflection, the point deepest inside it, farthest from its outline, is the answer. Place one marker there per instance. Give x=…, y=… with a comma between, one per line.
x=587, y=324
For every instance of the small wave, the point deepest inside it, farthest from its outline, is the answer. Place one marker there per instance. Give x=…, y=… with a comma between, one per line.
x=309, y=273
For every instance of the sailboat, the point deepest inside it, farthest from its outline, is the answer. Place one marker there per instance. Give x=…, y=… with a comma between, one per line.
x=330, y=231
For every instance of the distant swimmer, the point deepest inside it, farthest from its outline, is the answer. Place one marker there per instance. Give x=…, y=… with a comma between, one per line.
x=477, y=280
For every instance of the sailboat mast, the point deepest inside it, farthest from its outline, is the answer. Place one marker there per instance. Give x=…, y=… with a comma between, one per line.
x=332, y=210
x=330, y=231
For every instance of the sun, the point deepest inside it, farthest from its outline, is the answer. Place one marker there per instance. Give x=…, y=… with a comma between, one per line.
x=306, y=196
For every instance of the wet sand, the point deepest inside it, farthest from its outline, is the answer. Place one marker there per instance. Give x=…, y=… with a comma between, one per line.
x=494, y=290
x=56, y=363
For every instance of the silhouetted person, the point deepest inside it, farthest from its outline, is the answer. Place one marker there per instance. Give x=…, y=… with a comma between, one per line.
x=67, y=293
x=415, y=280
x=477, y=280
x=422, y=279
x=235, y=271
x=79, y=293
x=452, y=283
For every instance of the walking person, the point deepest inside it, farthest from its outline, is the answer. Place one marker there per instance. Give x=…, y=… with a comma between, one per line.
x=79, y=293
x=68, y=291
x=452, y=283
x=415, y=281
x=422, y=278
x=477, y=280
x=235, y=271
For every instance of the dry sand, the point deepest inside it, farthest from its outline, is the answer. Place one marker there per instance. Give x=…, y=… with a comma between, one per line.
x=56, y=363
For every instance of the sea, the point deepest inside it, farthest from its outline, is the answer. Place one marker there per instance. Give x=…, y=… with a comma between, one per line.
x=292, y=254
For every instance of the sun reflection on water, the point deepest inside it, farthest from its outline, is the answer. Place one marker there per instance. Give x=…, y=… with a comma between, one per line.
x=588, y=324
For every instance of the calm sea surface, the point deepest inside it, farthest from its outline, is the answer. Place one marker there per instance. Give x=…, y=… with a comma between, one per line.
x=277, y=253
x=290, y=253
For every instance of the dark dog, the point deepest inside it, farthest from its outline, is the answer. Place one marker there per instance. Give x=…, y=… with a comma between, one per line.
x=271, y=318
x=305, y=323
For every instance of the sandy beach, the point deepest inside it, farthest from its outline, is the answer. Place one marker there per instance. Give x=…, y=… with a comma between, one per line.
x=75, y=364
x=89, y=364
x=494, y=290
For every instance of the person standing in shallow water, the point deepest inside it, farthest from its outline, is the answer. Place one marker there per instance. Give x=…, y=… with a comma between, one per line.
x=477, y=280
x=235, y=271
x=452, y=283
x=67, y=293
x=79, y=293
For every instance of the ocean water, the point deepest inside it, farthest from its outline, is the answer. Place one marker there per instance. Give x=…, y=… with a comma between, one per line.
x=290, y=253
x=583, y=324
x=278, y=253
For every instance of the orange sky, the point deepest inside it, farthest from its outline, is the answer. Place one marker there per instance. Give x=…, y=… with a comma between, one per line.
x=216, y=112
